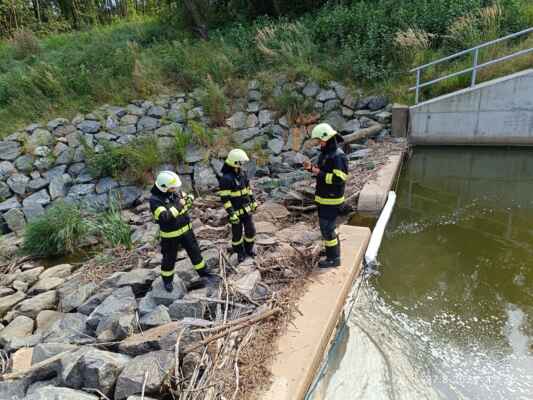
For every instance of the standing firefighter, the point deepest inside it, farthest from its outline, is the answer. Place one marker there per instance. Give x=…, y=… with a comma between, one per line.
x=170, y=208
x=331, y=174
x=239, y=202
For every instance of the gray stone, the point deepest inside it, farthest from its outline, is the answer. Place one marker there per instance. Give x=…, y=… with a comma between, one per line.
x=5, y=192
x=44, y=351
x=37, y=184
x=158, y=316
x=84, y=177
x=76, y=168
x=336, y=120
x=44, y=285
x=59, y=148
x=120, y=301
x=127, y=196
x=147, y=305
x=81, y=189
x=156, y=112
x=383, y=117
x=254, y=95
x=70, y=329
x=9, y=301
x=73, y=139
x=43, y=164
x=32, y=212
x=104, y=185
x=89, y=126
x=341, y=90
x=331, y=105
x=148, y=124
x=104, y=137
x=246, y=134
x=20, y=327
x=66, y=157
x=133, y=109
x=24, y=163
x=56, y=171
x=41, y=137
x=14, y=389
x=59, y=186
x=9, y=204
x=373, y=103
x=41, y=198
x=247, y=285
x=148, y=371
x=253, y=107
x=168, y=130
x=237, y=120
x=115, y=327
x=71, y=300
x=351, y=126
x=56, y=123
x=118, y=112
x=96, y=369
x=140, y=280
x=6, y=169
x=266, y=117
x=47, y=318
x=326, y=95
x=18, y=183
x=253, y=84
x=31, y=307
x=94, y=301
x=5, y=291
x=79, y=155
x=57, y=271
x=193, y=153
x=204, y=178
x=64, y=130
x=186, y=308
x=359, y=154
x=161, y=296
x=42, y=151
x=129, y=120
x=195, y=113
x=20, y=286
x=311, y=89
x=15, y=219
x=30, y=276
x=59, y=393
x=294, y=159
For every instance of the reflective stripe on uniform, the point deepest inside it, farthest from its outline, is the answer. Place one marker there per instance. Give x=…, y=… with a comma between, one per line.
x=329, y=178
x=158, y=212
x=238, y=242
x=227, y=204
x=234, y=193
x=249, y=240
x=329, y=202
x=175, y=213
x=167, y=273
x=340, y=174
x=331, y=243
x=200, y=265
x=176, y=233
x=241, y=211
x=223, y=193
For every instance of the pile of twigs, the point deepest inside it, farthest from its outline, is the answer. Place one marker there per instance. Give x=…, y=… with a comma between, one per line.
x=113, y=260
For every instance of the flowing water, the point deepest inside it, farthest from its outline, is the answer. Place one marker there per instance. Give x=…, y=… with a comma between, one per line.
x=450, y=314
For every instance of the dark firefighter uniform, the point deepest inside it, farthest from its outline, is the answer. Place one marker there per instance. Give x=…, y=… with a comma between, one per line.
x=329, y=195
x=239, y=202
x=171, y=212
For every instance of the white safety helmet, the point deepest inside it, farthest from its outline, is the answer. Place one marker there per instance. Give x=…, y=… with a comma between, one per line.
x=236, y=158
x=323, y=132
x=167, y=180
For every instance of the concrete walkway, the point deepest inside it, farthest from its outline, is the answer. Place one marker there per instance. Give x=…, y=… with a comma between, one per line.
x=301, y=350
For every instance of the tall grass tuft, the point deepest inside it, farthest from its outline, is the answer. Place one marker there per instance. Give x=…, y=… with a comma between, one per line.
x=58, y=231
x=112, y=227
x=291, y=104
x=214, y=102
x=182, y=139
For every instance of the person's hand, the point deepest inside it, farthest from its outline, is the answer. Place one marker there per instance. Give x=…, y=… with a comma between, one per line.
x=253, y=206
x=233, y=219
x=315, y=170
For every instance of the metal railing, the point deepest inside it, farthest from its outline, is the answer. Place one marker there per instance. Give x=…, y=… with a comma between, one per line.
x=475, y=66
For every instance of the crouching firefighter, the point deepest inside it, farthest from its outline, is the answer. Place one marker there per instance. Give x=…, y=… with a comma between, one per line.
x=170, y=208
x=331, y=174
x=239, y=202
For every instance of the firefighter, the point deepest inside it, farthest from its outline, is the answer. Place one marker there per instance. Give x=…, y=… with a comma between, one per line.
x=331, y=174
x=170, y=208
x=239, y=202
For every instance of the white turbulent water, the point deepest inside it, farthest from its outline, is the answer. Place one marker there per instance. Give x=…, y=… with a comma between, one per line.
x=385, y=355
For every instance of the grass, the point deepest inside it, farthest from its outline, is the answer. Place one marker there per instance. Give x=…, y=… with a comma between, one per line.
x=59, y=231
x=291, y=104
x=112, y=228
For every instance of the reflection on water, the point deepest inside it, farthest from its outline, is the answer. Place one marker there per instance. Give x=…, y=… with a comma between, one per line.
x=453, y=304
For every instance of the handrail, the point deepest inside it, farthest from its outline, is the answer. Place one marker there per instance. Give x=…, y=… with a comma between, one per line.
x=475, y=67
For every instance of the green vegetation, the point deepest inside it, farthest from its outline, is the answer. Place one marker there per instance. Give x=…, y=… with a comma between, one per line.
x=365, y=44
x=64, y=227
x=291, y=104
x=59, y=231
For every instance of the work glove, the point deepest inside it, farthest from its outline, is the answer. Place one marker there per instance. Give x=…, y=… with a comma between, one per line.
x=253, y=206
x=233, y=219
x=189, y=199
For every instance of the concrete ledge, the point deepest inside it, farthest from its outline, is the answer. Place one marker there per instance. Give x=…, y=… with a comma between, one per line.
x=374, y=194
x=301, y=350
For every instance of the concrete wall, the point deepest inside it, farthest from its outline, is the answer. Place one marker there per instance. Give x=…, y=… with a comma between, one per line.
x=498, y=112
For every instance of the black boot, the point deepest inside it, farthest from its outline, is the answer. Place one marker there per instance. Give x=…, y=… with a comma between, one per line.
x=168, y=284
x=329, y=263
x=249, y=248
x=241, y=255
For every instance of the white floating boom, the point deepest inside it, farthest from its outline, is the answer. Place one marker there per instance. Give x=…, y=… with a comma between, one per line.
x=379, y=230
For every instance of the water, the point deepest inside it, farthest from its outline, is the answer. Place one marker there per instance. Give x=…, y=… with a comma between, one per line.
x=450, y=316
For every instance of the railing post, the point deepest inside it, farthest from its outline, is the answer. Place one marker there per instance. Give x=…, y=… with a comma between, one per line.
x=417, y=85
x=474, y=70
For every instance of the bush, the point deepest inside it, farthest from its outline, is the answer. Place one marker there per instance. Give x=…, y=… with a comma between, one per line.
x=59, y=231
x=108, y=162
x=113, y=229
x=214, y=102
x=291, y=104
x=25, y=44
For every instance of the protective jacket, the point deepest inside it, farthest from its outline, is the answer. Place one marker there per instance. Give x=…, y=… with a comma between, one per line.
x=235, y=192
x=331, y=180
x=171, y=212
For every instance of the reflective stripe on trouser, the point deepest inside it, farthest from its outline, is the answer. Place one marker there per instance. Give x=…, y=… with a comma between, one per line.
x=169, y=250
x=329, y=235
x=245, y=224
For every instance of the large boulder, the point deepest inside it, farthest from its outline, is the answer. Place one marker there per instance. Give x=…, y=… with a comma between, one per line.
x=139, y=280
x=160, y=338
x=204, y=178
x=18, y=183
x=46, y=319
x=18, y=328
x=44, y=285
x=157, y=317
x=9, y=150
x=116, y=327
x=44, y=351
x=9, y=204
x=97, y=370
x=58, y=271
x=127, y=196
x=89, y=305
x=70, y=300
x=59, y=393
x=187, y=308
x=120, y=301
x=148, y=371
x=89, y=126
x=8, y=302
x=15, y=219
x=161, y=296
x=31, y=307
x=70, y=329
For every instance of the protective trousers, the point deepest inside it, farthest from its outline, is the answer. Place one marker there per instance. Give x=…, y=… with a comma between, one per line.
x=169, y=250
x=238, y=242
x=330, y=237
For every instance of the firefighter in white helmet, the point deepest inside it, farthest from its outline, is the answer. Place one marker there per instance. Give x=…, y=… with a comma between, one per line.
x=239, y=202
x=170, y=208
x=331, y=174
